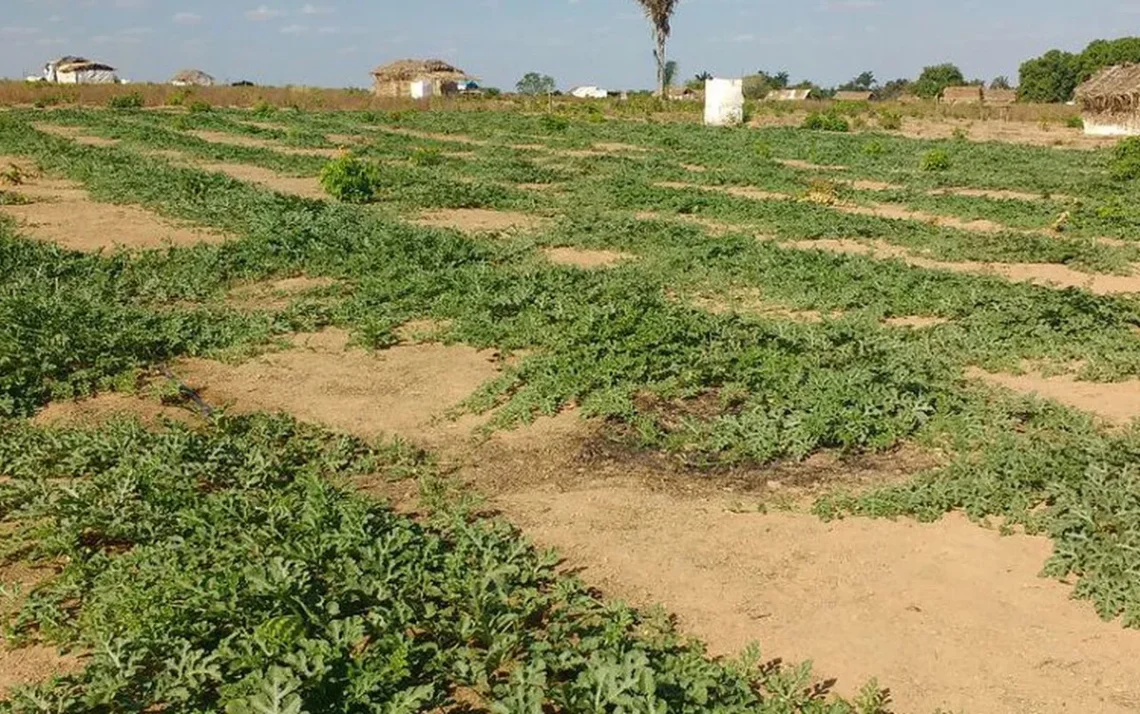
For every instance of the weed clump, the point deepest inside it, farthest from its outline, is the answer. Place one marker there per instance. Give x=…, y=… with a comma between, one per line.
x=818, y=121
x=890, y=121
x=350, y=179
x=554, y=123
x=199, y=106
x=873, y=148
x=133, y=100
x=1075, y=122
x=935, y=160
x=426, y=156
x=1125, y=165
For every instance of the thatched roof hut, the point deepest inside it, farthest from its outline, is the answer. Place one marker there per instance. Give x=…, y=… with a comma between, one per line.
x=396, y=79
x=846, y=96
x=789, y=95
x=192, y=78
x=962, y=95
x=1110, y=101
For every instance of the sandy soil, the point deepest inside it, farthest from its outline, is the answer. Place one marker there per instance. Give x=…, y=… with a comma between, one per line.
x=306, y=187
x=37, y=662
x=276, y=294
x=479, y=220
x=100, y=409
x=1045, y=274
x=221, y=137
x=405, y=390
x=809, y=166
x=1115, y=401
x=582, y=258
x=1013, y=132
x=76, y=134
x=63, y=213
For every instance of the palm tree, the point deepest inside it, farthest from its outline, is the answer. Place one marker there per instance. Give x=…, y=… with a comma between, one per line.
x=659, y=13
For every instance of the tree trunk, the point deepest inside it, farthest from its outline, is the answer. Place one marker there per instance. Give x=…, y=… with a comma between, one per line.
x=661, y=60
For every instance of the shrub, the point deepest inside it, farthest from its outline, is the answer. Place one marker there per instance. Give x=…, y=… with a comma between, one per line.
x=891, y=121
x=1125, y=164
x=179, y=98
x=492, y=92
x=263, y=109
x=553, y=122
x=817, y=121
x=426, y=156
x=133, y=100
x=199, y=106
x=873, y=148
x=1075, y=123
x=350, y=179
x=936, y=160
x=49, y=100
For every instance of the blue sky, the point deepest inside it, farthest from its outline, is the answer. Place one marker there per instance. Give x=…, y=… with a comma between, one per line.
x=605, y=42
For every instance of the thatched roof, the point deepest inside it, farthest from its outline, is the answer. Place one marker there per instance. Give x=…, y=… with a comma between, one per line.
x=853, y=96
x=788, y=95
x=192, y=76
x=962, y=95
x=1112, y=90
x=69, y=63
x=409, y=70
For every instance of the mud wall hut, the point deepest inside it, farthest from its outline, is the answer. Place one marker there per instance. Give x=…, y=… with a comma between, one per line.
x=396, y=79
x=848, y=96
x=1110, y=101
x=999, y=97
x=962, y=95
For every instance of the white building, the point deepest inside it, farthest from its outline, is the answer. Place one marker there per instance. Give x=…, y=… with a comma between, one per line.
x=79, y=70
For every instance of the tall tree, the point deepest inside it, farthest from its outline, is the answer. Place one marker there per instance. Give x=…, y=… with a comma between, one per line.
x=1001, y=82
x=1052, y=77
x=936, y=78
x=660, y=15
x=671, y=69
x=534, y=83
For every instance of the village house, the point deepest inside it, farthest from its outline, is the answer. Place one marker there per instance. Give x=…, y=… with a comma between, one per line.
x=79, y=70
x=192, y=78
x=1110, y=101
x=419, y=79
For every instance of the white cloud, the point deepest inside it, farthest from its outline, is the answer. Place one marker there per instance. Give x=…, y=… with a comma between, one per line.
x=294, y=30
x=262, y=13
x=311, y=9
x=15, y=31
x=186, y=18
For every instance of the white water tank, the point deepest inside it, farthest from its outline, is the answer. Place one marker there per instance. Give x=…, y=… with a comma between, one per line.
x=724, y=102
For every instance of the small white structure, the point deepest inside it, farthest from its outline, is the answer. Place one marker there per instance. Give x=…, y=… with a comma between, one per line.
x=589, y=92
x=79, y=70
x=422, y=89
x=724, y=102
x=789, y=95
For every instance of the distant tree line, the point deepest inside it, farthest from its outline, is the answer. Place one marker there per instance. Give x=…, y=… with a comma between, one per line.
x=1055, y=75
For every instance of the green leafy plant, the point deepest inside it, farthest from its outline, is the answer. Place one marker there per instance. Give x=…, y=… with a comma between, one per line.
x=199, y=106
x=818, y=121
x=890, y=121
x=935, y=160
x=1125, y=163
x=426, y=156
x=1075, y=122
x=873, y=148
x=131, y=100
x=350, y=179
x=553, y=123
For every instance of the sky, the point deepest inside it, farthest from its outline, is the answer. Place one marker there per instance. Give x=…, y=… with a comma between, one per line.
x=335, y=43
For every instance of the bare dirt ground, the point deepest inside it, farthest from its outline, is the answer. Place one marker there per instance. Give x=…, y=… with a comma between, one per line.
x=76, y=134
x=479, y=220
x=405, y=390
x=1044, y=274
x=36, y=662
x=276, y=294
x=103, y=408
x=62, y=212
x=221, y=137
x=947, y=615
x=581, y=258
x=1117, y=402
x=304, y=186
x=1013, y=132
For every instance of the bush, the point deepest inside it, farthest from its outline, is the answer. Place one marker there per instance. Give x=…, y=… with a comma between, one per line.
x=350, y=179
x=959, y=134
x=199, y=106
x=891, y=121
x=426, y=156
x=553, y=122
x=134, y=100
x=179, y=98
x=1075, y=123
x=936, y=160
x=1125, y=164
x=826, y=122
x=873, y=148
x=263, y=109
